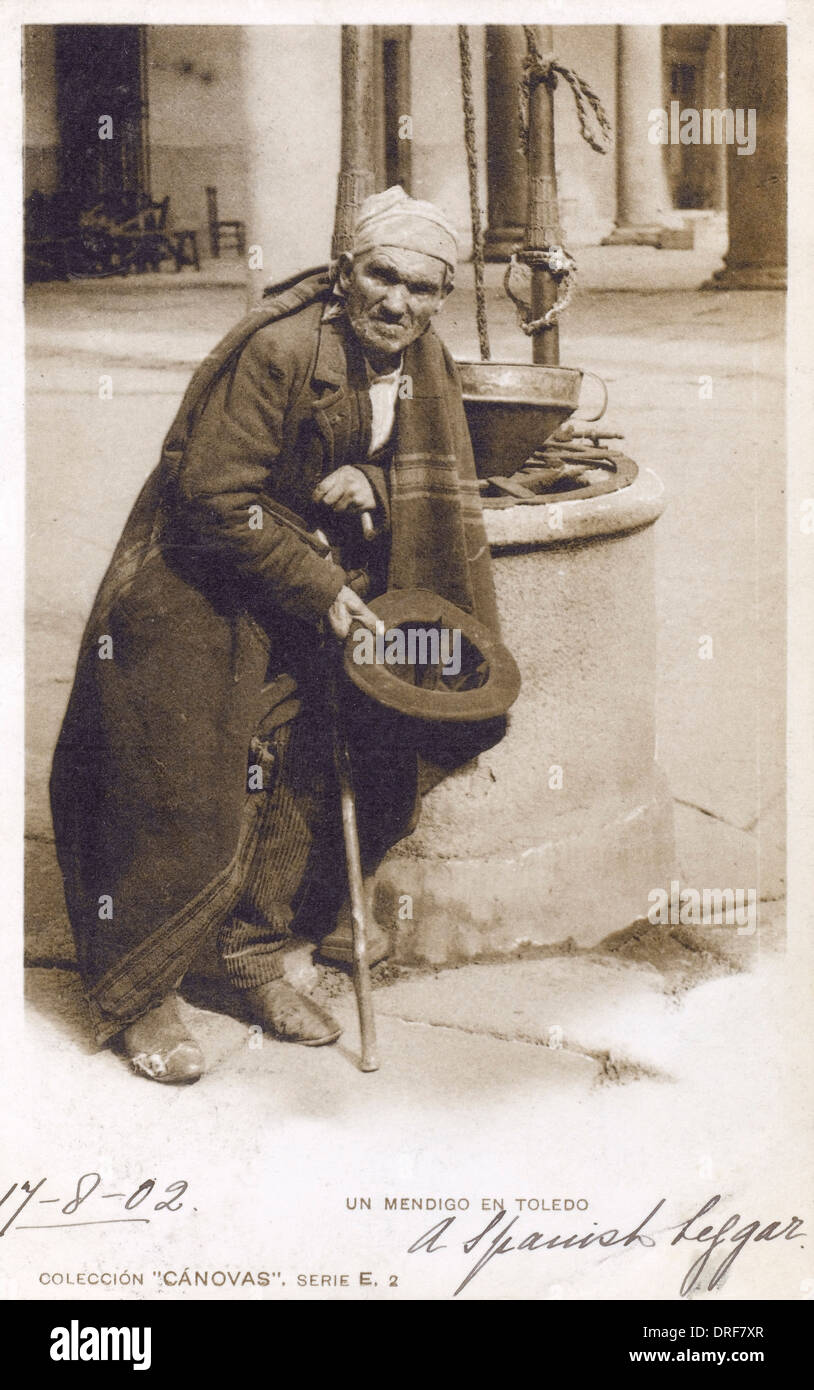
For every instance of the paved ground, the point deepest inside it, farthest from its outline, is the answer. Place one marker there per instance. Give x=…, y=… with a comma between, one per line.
x=643, y=1054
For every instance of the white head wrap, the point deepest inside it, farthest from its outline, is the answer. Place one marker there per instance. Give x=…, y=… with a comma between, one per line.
x=393, y=218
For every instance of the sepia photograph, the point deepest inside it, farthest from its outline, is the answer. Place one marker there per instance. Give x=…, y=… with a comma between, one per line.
x=414, y=712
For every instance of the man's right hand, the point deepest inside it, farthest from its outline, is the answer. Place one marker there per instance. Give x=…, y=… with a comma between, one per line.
x=348, y=608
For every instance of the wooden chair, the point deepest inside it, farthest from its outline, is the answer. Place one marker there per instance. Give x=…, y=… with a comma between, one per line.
x=160, y=243
x=229, y=233
x=139, y=229
x=185, y=246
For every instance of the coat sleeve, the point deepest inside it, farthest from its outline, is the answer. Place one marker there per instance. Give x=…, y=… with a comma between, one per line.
x=227, y=473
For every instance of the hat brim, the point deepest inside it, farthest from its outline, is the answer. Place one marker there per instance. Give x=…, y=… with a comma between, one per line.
x=379, y=681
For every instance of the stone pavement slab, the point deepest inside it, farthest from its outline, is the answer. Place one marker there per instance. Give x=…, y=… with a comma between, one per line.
x=620, y=1013
x=421, y=1067
x=611, y=1017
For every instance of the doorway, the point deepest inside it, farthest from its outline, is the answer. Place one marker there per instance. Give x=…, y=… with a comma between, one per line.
x=102, y=114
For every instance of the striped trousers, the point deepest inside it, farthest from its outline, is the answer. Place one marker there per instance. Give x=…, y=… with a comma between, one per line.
x=297, y=878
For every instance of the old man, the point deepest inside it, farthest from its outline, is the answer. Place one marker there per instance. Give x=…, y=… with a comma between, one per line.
x=192, y=789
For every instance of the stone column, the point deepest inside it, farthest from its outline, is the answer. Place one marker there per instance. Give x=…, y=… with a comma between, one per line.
x=715, y=97
x=292, y=101
x=357, y=173
x=643, y=203
x=756, y=81
x=505, y=162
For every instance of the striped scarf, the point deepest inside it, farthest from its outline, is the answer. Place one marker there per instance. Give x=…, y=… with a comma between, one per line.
x=438, y=536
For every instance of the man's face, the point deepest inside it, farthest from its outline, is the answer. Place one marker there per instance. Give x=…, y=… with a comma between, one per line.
x=391, y=295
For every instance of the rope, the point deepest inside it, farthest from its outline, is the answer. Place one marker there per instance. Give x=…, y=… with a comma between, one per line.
x=561, y=266
x=474, y=205
x=596, y=130
x=593, y=120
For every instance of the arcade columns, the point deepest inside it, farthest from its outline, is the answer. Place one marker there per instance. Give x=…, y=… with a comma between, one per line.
x=643, y=202
x=756, y=68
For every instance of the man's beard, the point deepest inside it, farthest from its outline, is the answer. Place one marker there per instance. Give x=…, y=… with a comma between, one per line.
x=381, y=336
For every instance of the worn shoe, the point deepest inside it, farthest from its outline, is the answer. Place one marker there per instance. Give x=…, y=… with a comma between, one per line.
x=338, y=944
x=159, y=1046
x=291, y=1017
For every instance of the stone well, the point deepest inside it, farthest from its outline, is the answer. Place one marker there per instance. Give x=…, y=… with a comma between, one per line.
x=562, y=830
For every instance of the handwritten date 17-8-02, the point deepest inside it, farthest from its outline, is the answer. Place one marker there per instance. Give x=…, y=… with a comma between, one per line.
x=82, y=1206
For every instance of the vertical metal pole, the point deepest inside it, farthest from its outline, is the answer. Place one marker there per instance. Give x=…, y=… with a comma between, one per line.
x=543, y=216
x=356, y=175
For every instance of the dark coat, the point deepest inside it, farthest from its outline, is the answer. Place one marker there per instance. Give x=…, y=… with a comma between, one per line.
x=213, y=620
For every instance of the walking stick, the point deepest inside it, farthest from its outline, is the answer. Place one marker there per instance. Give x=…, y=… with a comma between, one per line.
x=361, y=968
x=353, y=860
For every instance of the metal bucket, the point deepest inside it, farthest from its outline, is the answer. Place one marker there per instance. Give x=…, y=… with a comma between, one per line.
x=512, y=408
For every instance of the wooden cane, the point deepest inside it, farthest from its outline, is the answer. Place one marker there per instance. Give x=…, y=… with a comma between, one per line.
x=356, y=886
x=350, y=833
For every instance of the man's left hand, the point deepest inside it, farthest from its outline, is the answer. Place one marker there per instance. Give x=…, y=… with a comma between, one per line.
x=346, y=490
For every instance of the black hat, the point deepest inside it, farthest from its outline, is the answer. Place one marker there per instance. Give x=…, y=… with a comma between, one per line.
x=435, y=662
